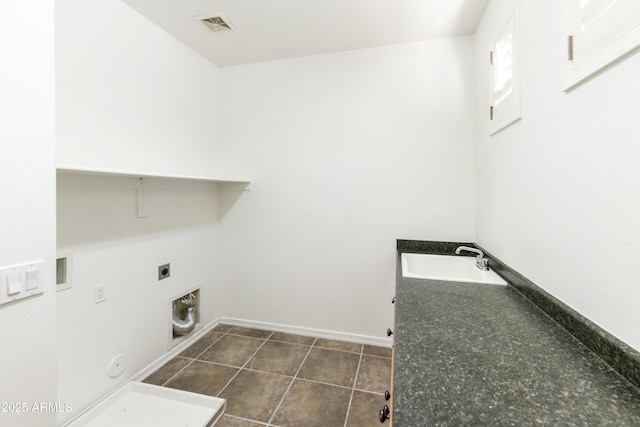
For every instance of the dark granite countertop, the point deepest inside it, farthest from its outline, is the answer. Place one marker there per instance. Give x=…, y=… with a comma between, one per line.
x=475, y=354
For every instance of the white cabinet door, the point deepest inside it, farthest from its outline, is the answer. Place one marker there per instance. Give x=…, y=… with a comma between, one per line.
x=599, y=33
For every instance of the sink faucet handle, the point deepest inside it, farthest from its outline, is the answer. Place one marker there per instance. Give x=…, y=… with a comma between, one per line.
x=478, y=252
x=481, y=262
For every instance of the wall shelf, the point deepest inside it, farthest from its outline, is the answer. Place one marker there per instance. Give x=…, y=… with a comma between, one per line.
x=226, y=183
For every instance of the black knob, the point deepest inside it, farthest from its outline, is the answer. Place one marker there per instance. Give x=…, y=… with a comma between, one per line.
x=393, y=301
x=389, y=332
x=384, y=414
x=387, y=395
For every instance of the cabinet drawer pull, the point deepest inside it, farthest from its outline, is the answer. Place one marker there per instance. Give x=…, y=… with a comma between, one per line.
x=387, y=395
x=389, y=332
x=384, y=414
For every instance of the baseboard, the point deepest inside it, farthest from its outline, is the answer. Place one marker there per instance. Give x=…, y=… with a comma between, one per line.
x=320, y=333
x=310, y=332
x=153, y=366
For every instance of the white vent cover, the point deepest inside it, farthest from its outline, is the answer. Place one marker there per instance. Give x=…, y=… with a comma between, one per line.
x=216, y=22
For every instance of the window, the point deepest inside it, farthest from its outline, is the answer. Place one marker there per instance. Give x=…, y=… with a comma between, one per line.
x=599, y=32
x=505, y=93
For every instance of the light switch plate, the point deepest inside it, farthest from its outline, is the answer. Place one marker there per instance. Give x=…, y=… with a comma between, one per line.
x=31, y=278
x=14, y=284
x=20, y=281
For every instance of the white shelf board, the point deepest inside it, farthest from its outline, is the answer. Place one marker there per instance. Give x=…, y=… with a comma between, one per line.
x=245, y=183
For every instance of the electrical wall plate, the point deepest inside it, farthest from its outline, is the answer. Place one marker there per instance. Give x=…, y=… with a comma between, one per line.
x=164, y=271
x=21, y=281
x=99, y=293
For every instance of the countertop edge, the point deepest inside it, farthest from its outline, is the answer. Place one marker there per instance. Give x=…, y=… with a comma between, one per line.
x=618, y=355
x=623, y=359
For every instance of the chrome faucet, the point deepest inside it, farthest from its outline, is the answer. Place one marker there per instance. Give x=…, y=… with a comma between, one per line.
x=481, y=261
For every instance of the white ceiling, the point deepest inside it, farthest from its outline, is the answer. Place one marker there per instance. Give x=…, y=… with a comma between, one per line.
x=277, y=29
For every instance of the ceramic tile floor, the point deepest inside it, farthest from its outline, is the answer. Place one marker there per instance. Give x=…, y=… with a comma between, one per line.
x=277, y=379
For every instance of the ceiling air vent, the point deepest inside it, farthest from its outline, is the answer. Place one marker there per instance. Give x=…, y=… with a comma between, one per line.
x=216, y=22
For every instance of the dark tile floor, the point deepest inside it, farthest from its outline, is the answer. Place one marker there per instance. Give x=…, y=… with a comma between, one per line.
x=277, y=379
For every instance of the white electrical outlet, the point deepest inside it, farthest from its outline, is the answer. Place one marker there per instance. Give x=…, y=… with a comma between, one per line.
x=99, y=293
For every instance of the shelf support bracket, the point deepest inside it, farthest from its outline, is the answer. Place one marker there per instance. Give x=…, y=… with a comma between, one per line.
x=142, y=200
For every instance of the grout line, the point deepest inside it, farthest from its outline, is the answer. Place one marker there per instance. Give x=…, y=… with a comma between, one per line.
x=355, y=380
x=266, y=372
x=176, y=374
x=208, y=347
x=289, y=342
x=245, y=419
x=190, y=358
x=311, y=346
x=325, y=347
x=245, y=363
x=324, y=383
x=210, y=362
x=295, y=376
x=361, y=390
x=379, y=357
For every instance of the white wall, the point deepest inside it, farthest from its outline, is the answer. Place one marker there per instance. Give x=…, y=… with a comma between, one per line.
x=558, y=190
x=347, y=152
x=27, y=197
x=109, y=244
x=129, y=96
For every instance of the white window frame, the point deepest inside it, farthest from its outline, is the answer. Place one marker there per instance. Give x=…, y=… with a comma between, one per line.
x=504, y=110
x=613, y=41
